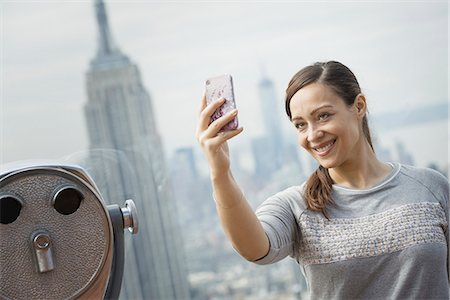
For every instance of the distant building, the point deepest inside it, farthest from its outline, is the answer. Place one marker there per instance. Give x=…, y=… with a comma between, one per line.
x=275, y=145
x=404, y=156
x=384, y=154
x=185, y=159
x=192, y=192
x=271, y=151
x=120, y=116
x=264, y=156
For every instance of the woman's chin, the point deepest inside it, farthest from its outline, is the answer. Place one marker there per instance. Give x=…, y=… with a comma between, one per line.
x=327, y=163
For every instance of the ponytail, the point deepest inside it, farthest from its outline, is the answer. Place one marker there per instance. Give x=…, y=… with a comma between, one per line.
x=366, y=131
x=317, y=191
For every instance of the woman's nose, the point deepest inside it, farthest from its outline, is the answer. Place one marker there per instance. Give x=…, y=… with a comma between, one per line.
x=314, y=134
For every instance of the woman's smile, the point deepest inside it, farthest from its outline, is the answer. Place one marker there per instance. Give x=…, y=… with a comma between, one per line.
x=324, y=149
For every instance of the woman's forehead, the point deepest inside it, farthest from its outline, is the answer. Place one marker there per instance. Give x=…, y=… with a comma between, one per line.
x=313, y=96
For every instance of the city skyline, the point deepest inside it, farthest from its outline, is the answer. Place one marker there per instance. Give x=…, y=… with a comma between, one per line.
x=43, y=63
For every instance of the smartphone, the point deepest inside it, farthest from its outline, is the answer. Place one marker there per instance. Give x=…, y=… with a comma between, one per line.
x=221, y=87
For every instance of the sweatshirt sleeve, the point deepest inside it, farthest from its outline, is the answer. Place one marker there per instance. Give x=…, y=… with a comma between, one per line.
x=440, y=187
x=277, y=215
x=446, y=191
x=445, y=204
x=443, y=192
x=447, y=213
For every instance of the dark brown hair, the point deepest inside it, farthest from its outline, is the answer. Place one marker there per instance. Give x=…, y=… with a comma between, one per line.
x=342, y=81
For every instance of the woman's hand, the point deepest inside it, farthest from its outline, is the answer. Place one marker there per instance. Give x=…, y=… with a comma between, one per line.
x=212, y=140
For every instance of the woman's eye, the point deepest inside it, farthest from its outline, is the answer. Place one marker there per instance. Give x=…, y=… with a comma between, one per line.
x=323, y=116
x=300, y=126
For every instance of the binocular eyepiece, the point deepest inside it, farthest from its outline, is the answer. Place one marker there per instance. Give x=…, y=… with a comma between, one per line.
x=58, y=239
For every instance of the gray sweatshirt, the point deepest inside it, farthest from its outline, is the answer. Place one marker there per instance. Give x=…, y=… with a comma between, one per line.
x=387, y=242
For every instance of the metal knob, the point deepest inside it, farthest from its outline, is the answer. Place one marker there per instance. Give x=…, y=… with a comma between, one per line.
x=42, y=246
x=130, y=218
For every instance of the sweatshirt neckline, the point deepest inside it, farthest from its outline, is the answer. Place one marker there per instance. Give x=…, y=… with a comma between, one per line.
x=395, y=170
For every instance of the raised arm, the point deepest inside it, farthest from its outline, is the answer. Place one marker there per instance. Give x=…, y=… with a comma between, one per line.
x=236, y=216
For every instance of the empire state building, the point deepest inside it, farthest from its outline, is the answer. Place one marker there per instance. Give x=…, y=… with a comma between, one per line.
x=120, y=117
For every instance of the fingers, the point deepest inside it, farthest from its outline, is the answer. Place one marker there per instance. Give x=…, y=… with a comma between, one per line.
x=209, y=135
x=214, y=143
x=226, y=135
x=207, y=111
x=202, y=104
x=212, y=136
x=215, y=127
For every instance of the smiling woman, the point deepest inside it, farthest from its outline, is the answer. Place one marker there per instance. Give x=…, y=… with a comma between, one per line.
x=325, y=103
x=359, y=228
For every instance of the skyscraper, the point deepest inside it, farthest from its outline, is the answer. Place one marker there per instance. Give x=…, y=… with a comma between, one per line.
x=120, y=117
x=271, y=151
x=272, y=121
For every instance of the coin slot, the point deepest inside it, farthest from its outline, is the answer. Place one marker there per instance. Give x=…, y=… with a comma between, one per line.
x=67, y=200
x=10, y=208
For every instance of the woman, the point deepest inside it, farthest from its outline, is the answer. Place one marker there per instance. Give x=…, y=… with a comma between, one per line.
x=358, y=227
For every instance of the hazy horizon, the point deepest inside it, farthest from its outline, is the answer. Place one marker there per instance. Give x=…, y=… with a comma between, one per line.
x=398, y=51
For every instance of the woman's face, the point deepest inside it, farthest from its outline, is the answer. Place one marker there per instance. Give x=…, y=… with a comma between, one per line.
x=327, y=128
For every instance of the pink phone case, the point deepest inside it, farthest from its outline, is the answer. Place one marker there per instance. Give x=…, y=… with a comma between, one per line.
x=218, y=87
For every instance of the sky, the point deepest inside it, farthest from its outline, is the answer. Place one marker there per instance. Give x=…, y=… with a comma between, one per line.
x=397, y=49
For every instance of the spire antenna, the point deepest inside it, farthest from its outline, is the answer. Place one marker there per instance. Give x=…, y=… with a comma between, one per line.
x=106, y=44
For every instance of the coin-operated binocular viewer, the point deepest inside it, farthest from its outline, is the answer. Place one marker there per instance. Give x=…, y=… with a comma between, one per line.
x=58, y=240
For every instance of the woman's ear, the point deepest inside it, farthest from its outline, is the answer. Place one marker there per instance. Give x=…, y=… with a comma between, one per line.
x=360, y=105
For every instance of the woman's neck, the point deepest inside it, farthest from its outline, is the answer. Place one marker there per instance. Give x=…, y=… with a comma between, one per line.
x=363, y=171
